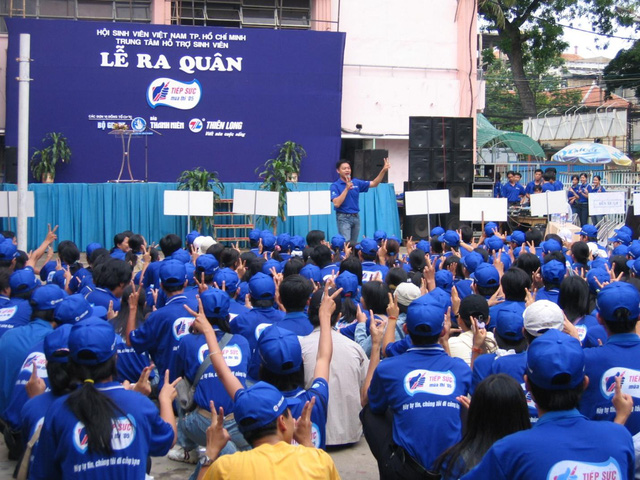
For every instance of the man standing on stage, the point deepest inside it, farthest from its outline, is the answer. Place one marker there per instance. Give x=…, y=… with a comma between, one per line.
x=345, y=194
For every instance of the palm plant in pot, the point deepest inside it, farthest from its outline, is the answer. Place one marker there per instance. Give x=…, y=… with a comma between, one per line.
x=285, y=167
x=201, y=180
x=44, y=161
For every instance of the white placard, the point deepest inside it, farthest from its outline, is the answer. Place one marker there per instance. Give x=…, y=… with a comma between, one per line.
x=297, y=204
x=636, y=203
x=176, y=202
x=548, y=203
x=186, y=202
x=607, y=202
x=320, y=202
x=478, y=209
x=267, y=203
x=424, y=202
x=9, y=204
x=244, y=201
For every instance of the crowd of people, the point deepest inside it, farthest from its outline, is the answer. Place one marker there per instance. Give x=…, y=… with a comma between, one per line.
x=486, y=356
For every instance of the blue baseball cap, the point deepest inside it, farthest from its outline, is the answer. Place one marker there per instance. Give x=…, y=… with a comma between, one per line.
x=259, y=405
x=298, y=242
x=554, y=271
x=8, y=251
x=598, y=262
x=436, y=231
x=191, y=270
x=207, y=264
x=624, y=229
x=425, y=318
x=192, y=235
x=254, y=235
x=92, y=341
x=618, y=237
x=494, y=243
x=450, y=237
x=517, y=237
x=92, y=247
x=227, y=276
x=215, y=303
x=444, y=280
x=337, y=242
x=634, y=249
x=75, y=308
x=312, y=272
x=599, y=274
x=368, y=246
x=618, y=295
x=509, y=322
x=47, y=297
x=181, y=255
x=620, y=250
x=269, y=264
x=348, y=282
x=22, y=281
x=262, y=286
x=172, y=273
x=56, y=344
x=555, y=361
x=284, y=242
x=588, y=231
x=486, y=276
x=551, y=245
x=634, y=266
x=47, y=271
x=471, y=261
x=379, y=235
x=280, y=350
x=268, y=240
x=424, y=245
x=489, y=228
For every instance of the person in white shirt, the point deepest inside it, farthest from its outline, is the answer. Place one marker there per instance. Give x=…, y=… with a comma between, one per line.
x=475, y=306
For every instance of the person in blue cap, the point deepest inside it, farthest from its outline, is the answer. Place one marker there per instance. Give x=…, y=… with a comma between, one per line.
x=573, y=298
x=563, y=444
x=618, y=311
x=419, y=389
x=262, y=293
x=486, y=280
x=100, y=420
x=15, y=313
x=345, y=193
x=368, y=255
x=160, y=333
x=514, y=283
x=553, y=272
x=191, y=354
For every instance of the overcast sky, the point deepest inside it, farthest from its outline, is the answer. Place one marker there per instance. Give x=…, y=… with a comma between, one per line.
x=591, y=45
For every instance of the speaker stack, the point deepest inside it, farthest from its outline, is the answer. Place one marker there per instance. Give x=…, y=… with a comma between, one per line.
x=440, y=157
x=368, y=163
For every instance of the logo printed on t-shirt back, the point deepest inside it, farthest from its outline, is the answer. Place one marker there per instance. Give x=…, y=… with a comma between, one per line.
x=426, y=381
x=123, y=434
x=181, y=327
x=574, y=470
x=232, y=354
x=630, y=381
x=7, y=313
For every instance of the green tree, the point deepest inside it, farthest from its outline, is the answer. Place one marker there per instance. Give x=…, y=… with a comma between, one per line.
x=624, y=70
x=530, y=31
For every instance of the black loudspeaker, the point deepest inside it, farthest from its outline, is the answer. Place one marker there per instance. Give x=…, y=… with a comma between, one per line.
x=11, y=165
x=368, y=163
x=464, y=134
x=420, y=132
x=436, y=165
x=443, y=132
x=417, y=226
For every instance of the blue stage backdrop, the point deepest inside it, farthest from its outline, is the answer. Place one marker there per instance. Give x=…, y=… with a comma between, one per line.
x=220, y=98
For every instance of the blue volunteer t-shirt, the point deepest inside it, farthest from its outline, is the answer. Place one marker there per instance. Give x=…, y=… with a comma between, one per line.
x=32, y=414
x=563, y=445
x=619, y=357
x=160, y=333
x=12, y=315
x=102, y=297
x=371, y=269
x=193, y=350
x=351, y=202
x=130, y=363
x=590, y=331
x=296, y=322
x=513, y=193
x=551, y=295
x=320, y=390
x=420, y=387
x=138, y=432
x=481, y=369
x=515, y=366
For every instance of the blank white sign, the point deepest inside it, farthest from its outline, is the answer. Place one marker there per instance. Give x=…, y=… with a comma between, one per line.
x=297, y=204
x=9, y=204
x=476, y=209
x=548, y=203
x=244, y=202
x=636, y=203
x=320, y=202
x=607, y=202
x=423, y=202
x=201, y=204
x=185, y=202
x=267, y=203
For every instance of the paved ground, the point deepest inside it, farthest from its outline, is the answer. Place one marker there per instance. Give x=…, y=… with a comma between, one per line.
x=354, y=462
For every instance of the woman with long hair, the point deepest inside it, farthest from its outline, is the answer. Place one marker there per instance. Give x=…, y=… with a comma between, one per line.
x=101, y=430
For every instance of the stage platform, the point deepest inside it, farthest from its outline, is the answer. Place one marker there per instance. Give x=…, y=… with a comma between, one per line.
x=95, y=212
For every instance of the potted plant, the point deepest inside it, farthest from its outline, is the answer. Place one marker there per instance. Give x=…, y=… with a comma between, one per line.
x=201, y=180
x=285, y=167
x=44, y=161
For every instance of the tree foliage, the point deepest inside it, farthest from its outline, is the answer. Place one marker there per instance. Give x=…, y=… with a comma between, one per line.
x=530, y=31
x=624, y=70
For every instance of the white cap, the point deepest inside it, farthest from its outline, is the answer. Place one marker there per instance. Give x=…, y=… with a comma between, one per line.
x=203, y=243
x=406, y=293
x=566, y=235
x=541, y=316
